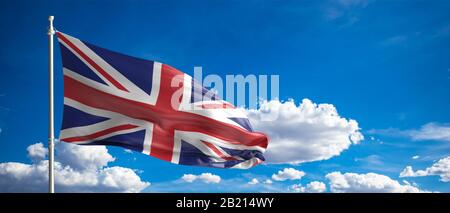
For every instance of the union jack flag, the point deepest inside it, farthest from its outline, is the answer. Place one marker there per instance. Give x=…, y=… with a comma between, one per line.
x=150, y=107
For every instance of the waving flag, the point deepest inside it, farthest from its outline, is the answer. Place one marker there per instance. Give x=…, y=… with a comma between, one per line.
x=150, y=107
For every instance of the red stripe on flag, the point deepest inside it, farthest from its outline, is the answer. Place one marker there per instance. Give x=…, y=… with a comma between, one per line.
x=217, y=151
x=92, y=63
x=162, y=140
x=99, y=133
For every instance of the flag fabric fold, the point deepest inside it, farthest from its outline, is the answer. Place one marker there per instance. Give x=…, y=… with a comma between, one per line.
x=150, y=107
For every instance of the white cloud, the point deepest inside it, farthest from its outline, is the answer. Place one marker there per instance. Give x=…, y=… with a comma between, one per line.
x=432, y=131
x=409, y=172
x=83, y=157
x=288, y=174
x=441, y=168
x=254, y=181
x=304, y=133
x=37, y=152
x=189, y=178
x=204, y=177
x=268, y=181
x=312, y=187
x=70, y=176
x=370, y=182
x=415, y=157
x=316, y=187
x=296, y=188
x=122, y=178
x=429, y=131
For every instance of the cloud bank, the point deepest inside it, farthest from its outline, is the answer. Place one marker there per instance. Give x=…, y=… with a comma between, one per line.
x=367, y=183
x=77, y=169
x=440, y=168
x=304, y=133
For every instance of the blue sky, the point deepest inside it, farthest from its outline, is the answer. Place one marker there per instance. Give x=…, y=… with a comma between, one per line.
x=384, y=64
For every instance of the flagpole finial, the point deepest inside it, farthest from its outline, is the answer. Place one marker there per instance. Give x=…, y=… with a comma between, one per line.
x=51, y=30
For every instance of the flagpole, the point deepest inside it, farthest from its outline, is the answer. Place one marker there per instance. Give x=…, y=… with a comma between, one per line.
x=51, y=134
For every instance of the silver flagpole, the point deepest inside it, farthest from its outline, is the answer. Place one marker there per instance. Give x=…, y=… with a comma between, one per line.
x=51, y=134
